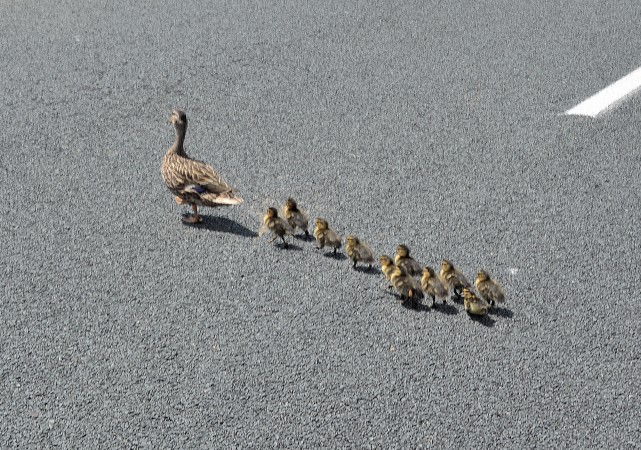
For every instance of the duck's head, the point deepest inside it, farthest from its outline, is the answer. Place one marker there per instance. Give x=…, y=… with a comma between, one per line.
x=178, y=118
x=352, y=240
x=403, y=251
x=446, y=266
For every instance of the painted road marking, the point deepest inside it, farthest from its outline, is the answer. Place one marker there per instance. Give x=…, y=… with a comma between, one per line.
x=608, y=96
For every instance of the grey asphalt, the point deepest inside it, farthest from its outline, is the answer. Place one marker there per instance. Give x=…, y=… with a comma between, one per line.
x=435, y=124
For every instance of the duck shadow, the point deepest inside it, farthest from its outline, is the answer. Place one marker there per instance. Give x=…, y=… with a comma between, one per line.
x=500, y=311
x=224, y=225
x=446, y=309
x=365, y=270
x=484, y=320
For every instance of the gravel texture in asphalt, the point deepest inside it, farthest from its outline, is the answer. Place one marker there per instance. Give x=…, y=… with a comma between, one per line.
x=434, y=124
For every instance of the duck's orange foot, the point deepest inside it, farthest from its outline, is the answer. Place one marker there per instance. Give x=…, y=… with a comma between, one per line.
x=179, y=200
x=192, y=219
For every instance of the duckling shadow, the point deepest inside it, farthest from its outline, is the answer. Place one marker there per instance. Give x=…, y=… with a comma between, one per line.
x=501, y=312
x=416, y=306
x=370, y=271
x=484, y=320
x=292, y=247
x=337, y=256
x=225, y=225
x=304, y=237
x=446, y=309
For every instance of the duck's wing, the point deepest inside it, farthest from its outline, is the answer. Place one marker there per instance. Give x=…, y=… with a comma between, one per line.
x=197, y=173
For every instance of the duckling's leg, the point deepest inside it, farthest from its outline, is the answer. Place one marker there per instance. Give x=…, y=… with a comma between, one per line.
x=284, y=241
x=194, y=218
x=335, y=251
x=433, y=301
x=353, y=266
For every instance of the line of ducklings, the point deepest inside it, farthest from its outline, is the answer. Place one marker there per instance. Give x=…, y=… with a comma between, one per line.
x=400, y=272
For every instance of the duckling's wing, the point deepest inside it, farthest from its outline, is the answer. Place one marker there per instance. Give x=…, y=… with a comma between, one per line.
x=332, y=238
x=365, y=253
x=497, y=292
x=286, y=226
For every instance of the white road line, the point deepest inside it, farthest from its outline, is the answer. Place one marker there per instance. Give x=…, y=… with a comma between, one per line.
x=608, y=96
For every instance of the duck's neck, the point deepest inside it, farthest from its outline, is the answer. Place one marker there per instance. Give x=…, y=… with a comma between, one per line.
x=180, y=139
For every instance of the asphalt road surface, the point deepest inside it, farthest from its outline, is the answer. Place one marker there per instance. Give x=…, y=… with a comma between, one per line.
x=434, y=124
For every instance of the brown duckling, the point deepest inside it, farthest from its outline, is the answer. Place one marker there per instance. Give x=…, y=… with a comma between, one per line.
x=473, y=304
x=326, y=236
x=407, y=286
x=276, y=225
x=453, y=279
x=191, y=181
x=432, y=285
x=358, y=251
x=404, y=260
x=296, y=217
x=387, y=267
x=490, y=289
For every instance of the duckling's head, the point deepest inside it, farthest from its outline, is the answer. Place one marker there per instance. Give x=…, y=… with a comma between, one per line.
x=403, y=251
x=321, y=224
x=352, y=240
x=178, y=118
x=428, y=272
x=446, y=266
x=271, y=213
x=482, y=275
x=385, y=260
x=468, y=294
x=291, y=204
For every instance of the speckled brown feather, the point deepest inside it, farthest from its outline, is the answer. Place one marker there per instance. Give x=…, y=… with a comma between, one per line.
x=193, y=181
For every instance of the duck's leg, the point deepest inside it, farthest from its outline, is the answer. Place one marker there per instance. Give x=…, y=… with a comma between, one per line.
x=194, y=218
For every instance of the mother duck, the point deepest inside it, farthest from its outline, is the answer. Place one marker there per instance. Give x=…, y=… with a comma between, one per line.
x=193, y=182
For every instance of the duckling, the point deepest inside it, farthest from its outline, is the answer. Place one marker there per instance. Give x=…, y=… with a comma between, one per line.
x=276, y=225
x=474, y=305
x=358, y=251
x=490, y=289
x=432, y=285
x=193, y=182
x=407, y=286
x=452, y=279
x=387, y=266
x=326, y=236
x=404, y=260
x=296, y=217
